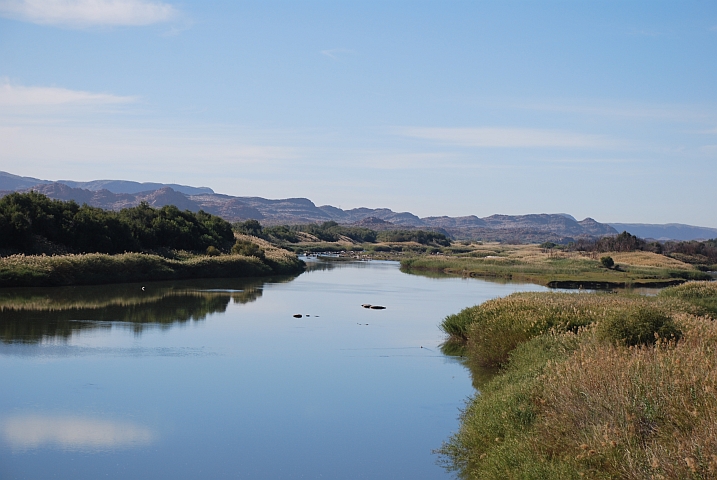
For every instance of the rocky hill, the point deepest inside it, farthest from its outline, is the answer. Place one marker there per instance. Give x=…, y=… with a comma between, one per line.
x=507, y=228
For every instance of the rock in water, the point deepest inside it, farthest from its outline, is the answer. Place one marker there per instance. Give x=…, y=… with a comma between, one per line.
x=298, y=315
x=377, y=307
x=366, y=305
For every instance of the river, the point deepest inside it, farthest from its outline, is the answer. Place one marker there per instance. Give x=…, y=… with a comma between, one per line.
x=217, y=379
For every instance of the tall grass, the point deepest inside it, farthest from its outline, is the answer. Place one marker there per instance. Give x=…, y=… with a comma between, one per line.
x=703, y=294
x=494, y=328
x=647, y=412
x=95, y=268
x=572, y=402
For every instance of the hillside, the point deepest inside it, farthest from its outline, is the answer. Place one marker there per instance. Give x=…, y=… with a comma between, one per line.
x=533, y=228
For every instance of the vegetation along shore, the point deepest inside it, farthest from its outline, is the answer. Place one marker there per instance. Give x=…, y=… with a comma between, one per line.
x=49, y=242
x=622, y=261
x=591, y=385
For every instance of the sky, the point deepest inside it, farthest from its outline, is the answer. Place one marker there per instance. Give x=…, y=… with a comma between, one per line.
x=603, y=109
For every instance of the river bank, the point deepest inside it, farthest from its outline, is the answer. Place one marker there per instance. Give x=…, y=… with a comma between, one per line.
x=590, y=385
x=97, y=268
x=531, y=263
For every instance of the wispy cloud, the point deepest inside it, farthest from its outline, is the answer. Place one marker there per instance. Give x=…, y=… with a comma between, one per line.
x=336, y=53
x=73, y=433
x=87, y=13
x=21, y=96
x=506, y=137
x=408, y=161
x=114, y=149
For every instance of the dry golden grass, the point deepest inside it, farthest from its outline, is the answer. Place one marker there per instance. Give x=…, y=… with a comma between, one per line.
x=576, y=403
x=647, y=259
x=648, y=412
x=494, y=328
x=530, y=263
x=533, y=254
x=692, y=290
x=271, y=251
x=97, y=268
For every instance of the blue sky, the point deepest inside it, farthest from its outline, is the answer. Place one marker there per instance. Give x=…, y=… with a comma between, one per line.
x=601, y=109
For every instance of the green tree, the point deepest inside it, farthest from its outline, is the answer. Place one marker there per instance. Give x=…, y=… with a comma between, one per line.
x=607, y=262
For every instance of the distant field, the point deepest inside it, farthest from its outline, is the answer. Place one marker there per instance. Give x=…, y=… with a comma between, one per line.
x=531, y=263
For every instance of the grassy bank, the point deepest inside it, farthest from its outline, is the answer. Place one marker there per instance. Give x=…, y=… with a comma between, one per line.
x=590, y=386
x=530, y=263
x=97, y=268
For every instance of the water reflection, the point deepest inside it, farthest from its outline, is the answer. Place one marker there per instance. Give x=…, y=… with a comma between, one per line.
x=480, y=374
x=31, y=315
x=442, y=274
x=314, y=264
x=73, y=433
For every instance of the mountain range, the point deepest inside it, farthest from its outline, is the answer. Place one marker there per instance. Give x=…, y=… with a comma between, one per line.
x=118, y=194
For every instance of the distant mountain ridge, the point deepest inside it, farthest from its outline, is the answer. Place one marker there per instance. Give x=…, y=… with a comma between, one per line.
x=10, y=182
x=667, y=231
x=118, y=194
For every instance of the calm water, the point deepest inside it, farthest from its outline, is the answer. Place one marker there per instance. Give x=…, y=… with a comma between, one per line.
x=217, y=379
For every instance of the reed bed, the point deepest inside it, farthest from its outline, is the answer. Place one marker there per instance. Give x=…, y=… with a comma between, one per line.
x=703, y=294
x=575, y=400
x=494, y=328
x=95, y=268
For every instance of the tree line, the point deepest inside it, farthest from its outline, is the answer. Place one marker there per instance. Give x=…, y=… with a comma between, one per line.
x=32, y=223
x=332, y=232
x=692, y=251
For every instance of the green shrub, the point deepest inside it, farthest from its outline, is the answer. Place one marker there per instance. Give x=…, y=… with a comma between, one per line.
x=640, y=326
x=213, y=251
x=250, y=227
x=248, y=249
x=419, y=236
x=607, y=262
x=281, y=232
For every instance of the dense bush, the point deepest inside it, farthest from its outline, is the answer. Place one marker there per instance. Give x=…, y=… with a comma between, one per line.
x=248, y=249
x=607, y=262
x=250, y=227
x=640, y=326
x=419, y=236
x=704, y=253
x=281, y=233
x=332, y=231
x=31, y=221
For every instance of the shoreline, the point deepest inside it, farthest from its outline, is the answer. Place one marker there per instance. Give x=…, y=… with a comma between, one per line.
x=96, y=268
x=572, y=379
